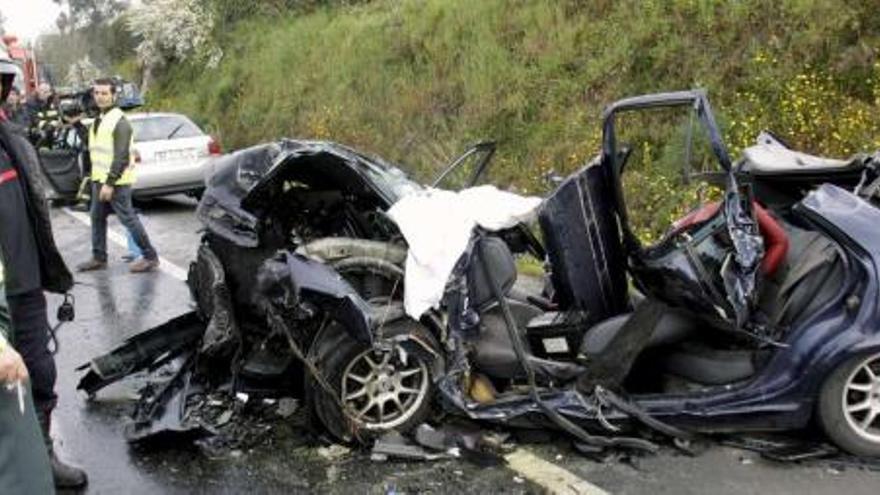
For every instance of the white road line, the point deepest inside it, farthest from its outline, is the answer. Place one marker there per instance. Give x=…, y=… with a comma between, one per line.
x=554, y=479
x=164, y=265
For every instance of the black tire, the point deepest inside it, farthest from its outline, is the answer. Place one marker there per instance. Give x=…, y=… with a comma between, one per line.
x=376, y=280
x=339, y=353
x=837, y=393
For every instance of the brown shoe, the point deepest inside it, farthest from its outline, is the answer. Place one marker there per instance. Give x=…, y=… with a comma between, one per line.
x=143, y=265
x=91, y=265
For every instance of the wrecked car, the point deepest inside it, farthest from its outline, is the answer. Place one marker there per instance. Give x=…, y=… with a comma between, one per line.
x=748, y=313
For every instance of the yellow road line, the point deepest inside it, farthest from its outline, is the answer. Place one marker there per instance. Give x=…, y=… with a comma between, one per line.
x=553, y=478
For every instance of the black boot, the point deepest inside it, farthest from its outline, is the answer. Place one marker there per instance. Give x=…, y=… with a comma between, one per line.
x=64, y=475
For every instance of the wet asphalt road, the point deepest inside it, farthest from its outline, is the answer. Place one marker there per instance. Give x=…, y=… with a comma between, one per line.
x=113, y=305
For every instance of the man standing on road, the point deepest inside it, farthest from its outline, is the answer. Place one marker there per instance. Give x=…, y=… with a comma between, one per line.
x=32, y=264
x=110, y=141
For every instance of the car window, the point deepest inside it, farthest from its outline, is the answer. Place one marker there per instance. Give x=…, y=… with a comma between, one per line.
x=164, y=127
x=669, y=171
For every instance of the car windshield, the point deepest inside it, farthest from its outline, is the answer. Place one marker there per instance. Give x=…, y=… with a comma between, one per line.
x=159, y=128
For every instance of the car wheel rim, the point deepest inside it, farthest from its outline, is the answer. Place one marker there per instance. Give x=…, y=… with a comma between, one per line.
x=382, y=392
x=861, y=399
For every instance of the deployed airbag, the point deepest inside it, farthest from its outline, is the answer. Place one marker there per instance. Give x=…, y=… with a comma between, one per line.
x=437, y=226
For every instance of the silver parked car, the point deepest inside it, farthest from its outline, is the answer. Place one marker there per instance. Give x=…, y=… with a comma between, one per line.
x=172, y=155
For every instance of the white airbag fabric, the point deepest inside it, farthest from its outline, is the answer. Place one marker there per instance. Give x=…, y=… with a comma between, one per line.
x=437, y=225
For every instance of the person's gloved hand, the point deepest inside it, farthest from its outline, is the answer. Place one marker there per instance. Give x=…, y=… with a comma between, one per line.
x=12, y=368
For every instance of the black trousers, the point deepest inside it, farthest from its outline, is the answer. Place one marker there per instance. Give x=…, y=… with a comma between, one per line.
x=30, y=327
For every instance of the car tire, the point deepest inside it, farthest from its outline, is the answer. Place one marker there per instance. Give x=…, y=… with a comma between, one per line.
x=411, y=382
x=376, y=280
x=849, y=405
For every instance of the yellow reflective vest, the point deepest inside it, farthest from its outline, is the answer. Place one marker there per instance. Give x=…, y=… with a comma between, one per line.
x=101, y=149
x=46, y=118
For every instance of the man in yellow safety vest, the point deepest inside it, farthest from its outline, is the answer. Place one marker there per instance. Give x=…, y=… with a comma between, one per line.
x=110, y=142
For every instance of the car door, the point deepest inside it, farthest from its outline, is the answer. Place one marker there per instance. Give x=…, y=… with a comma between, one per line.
x=468, y=169
x=62, y=165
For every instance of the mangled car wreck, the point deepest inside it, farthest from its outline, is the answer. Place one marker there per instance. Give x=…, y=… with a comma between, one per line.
x=750, y=313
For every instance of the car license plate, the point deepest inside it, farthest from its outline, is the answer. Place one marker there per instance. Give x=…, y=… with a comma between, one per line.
x=168, y=155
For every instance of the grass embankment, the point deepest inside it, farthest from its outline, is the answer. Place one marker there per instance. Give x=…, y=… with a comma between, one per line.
x=415, y=81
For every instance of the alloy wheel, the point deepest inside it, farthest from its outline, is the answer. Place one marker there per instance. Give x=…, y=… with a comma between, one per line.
x=382, y=392
x=861, y=399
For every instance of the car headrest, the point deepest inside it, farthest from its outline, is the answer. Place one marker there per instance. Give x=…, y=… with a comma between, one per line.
x=500, y=264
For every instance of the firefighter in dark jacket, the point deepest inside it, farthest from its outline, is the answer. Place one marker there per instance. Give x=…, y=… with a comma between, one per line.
x=32, y=264
x=110, y=143
x=43, y=115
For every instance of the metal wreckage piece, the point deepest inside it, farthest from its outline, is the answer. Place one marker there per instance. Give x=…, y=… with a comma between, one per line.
x=291, y=288
x=207, y=343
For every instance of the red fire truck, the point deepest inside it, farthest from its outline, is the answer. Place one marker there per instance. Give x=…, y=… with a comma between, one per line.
x=30, y=76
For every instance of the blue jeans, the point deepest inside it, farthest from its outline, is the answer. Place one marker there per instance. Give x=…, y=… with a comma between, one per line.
x=133, y=248
x=120, y=203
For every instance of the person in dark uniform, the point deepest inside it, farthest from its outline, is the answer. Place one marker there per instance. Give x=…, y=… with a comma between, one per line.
x=32, y=264
x=43, y=113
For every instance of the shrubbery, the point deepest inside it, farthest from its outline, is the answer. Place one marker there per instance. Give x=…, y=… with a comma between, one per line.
x=415, y=81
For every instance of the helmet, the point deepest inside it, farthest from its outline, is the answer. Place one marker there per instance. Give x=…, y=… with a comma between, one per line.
x=8, y=70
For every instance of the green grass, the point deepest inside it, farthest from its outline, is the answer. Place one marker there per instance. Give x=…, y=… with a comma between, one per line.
x=415, y=81
x=529, y=266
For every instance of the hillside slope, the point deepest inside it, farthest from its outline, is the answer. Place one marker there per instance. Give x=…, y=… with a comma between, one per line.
x=415, y=81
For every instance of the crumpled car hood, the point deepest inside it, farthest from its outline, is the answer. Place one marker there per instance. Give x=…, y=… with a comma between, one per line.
x=245, y=183
x=235, y=175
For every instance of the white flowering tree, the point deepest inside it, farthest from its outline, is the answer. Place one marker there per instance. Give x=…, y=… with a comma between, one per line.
x=172, y=30
x=82, y=72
